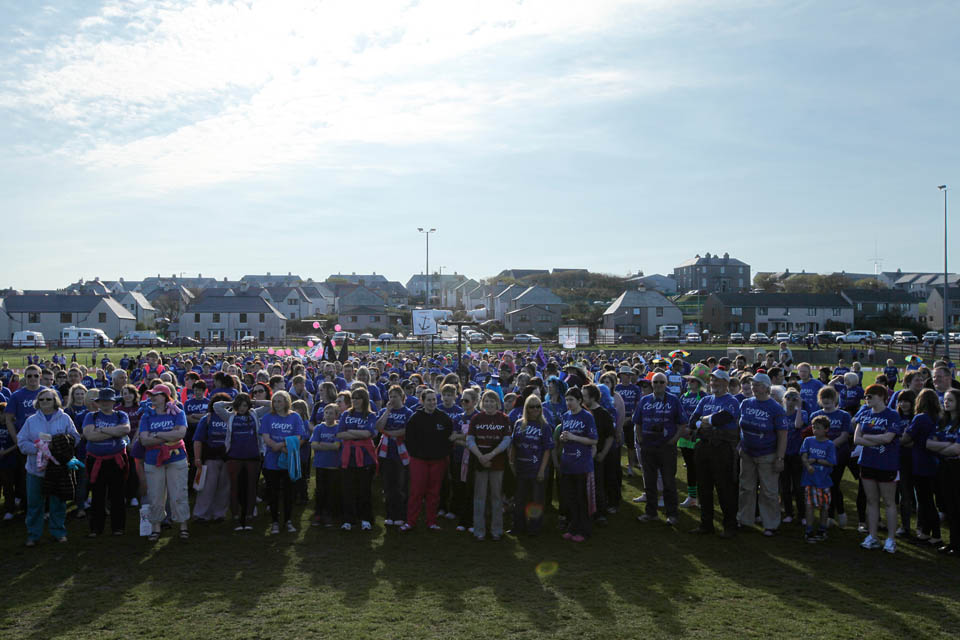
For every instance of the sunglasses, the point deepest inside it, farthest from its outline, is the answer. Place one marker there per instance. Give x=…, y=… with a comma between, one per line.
x=659, y=382
x=32, y=375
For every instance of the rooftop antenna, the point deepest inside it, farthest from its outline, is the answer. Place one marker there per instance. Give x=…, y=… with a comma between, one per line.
x=876, y=260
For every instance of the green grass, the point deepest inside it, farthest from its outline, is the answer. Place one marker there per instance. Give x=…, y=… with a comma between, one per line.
x=630, y=580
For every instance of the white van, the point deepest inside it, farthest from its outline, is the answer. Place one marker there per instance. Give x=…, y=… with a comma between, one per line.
x=141, y=339
x=81, y=337
x=28, y=339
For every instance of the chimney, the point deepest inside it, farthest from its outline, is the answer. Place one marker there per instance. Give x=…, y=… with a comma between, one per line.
x=199, y=275
x=726, y=255
x=268, y=273
x=707, y=255
x=289, y=273
x=641, y=286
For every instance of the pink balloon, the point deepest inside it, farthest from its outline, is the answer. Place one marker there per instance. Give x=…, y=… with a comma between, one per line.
x=270, y=350
x=309, y=343
x=316, y=325
x=333, y=343
x=302, y=351
x=320, y=352
x=289, y=352
x=337, y=328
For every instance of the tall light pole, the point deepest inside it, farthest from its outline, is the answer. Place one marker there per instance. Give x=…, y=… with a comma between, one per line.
x=427, y=233
x=946, y=295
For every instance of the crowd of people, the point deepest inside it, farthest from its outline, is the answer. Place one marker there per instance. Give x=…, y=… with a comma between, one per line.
x=494, y=438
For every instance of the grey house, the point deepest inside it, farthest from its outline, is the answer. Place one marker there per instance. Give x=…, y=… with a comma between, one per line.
x=882, y=303
x=935, y=308
x=141, y=308
x=639, y=313
x=222, y=318
x=538, y=319
x=713, y=274
x=48, y=314
x=362, y=309
x=773, y=312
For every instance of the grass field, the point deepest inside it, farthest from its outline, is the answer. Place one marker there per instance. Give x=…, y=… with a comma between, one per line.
x=629, y=581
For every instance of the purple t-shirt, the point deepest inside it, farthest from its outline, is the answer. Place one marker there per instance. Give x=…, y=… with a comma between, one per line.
x=839, y=424
x=325, y=458
x=244, y=439
x=759, y=423
x=921, y=428
x=152, y=422
x=885, y=457
x=574, y=456
x=396, y=420
x=279, y=428
x=795, y=435
x=816, y=450
x=351, y=420
x=530, y=445
x=99, y=421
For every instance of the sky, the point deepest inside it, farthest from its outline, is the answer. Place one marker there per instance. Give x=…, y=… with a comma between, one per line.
x=229, y=138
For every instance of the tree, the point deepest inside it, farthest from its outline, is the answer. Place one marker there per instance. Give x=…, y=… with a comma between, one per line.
x=801, y=283
x=833, y=283
x=873, y=284
x=766, y=282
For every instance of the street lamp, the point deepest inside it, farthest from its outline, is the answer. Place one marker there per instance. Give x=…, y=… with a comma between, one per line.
x=946, y=295
x=427, y=233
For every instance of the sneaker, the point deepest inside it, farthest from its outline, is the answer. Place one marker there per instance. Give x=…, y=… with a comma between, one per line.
x=30, y=543
x=821, y=535
x=495, y=538
x=470, y=530
x=578, y=538
x=641, y=498
x=901, y=532
x=365, y=525
x=646, y=517
x=449, y=515
x=842, y=519
x=461, y=528
x=810, y=537
x=436, y=527
x=346, y=526
x=441, y=512
x=399, y=523
x=788, y=519
x=611, y=510
x=830, y=522
x=689, y=503
x=567, y=536
x=134, y=502
x=239, y=527
x=672, y=521
x=862, y=528
x=405, y=527
x=317, y=521
x=275, y=528
x=8, y=516
x=388, y=523
x=890, y=546
x=870, y=543
x=290, y=527
x=248, y=527
x=769, y=532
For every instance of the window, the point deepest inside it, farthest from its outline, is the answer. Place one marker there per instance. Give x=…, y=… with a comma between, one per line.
x=101, y=318
x=292, y=301
x=243, y=318
x=836, y=313
x=353, y=318
x=811, y=311
x=740, y=281
x=786, y=312
x=196, y=318
x=216, y=317
x=293, y=315
x=636, y=311
x=882, y=306
x=761, y=311
x=703, y=282
x=262, y=317
x=544, y=318
x=33, y=318
x=723, y=269
x=736, y=311
x=859, y=306
x=196, y=334
x=374, y=318
x=65, y=317
x=739, y=269
x=659, y=312
x=261, y=338
x=524, y=318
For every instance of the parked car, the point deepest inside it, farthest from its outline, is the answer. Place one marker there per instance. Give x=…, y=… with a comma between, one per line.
x=340, y=336
x=759, y=338
x=862, y=336
x=365, y=338
x=693, y=337
x=497, y=338
x=886, y=338
x=932, y=337
x=527, y=338
x=475, y=336
x=797, y=338
x=28, y=339
x=782, y=336
x=313, y=339
x=186, y=341
x=385, y=337
x=248, y=340
x=954, y=336
x=826, y=337
x=141, y=339
x=736, y=338
x=905, y=337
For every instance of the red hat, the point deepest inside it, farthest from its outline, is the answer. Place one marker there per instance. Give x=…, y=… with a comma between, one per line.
x=161, y=388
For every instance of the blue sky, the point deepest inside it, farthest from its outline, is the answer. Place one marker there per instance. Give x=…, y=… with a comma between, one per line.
x=227, y=138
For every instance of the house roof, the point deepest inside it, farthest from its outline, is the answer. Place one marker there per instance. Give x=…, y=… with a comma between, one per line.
x=532, y=306
x=880, y=295
x=635, y=298
x=355, y=278
x=516, y=274
x=362, y=309
x=233, y=304
x=62, y=303
x=785, y=300
x=537, y=295
x=361, y=297
x=140, y=300
x=712, y=260
x=318, y=290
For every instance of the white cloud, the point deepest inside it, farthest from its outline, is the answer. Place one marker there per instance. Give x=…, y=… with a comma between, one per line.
x=206, y=92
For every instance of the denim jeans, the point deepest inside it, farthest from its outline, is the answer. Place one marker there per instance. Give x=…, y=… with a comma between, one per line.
x=58, y=511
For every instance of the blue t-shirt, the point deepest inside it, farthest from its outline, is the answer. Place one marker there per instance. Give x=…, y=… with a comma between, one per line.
x=8, y=461
x=689, y=401
x=21, y=405
x=839, y=371
x=244, y=439
x=840, y=423
x=325, y=458
x=630, y=393
x=212, y=432
x=574, y=456
x=885, y=457
x=396, y=420
x=759, y=423
x=453, y=412
x=808, y=394
x=279, y=428
x=948, y=433
x=152, y=422
x=892, y=374
x=795, y=435
x=850, y=398
x=658, y=419
x=530, y=446
x=816, y=450
x=196, y=405
x=100, y=421
x=351, y=420
x=921, y=428
x=712, y=404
